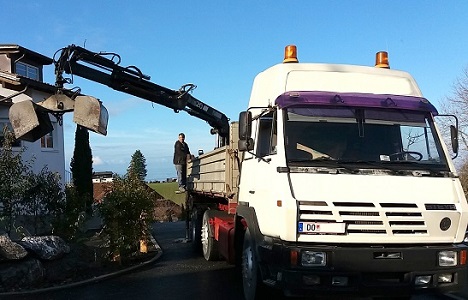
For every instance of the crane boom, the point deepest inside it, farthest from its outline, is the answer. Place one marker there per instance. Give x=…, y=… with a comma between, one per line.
x=75, y=60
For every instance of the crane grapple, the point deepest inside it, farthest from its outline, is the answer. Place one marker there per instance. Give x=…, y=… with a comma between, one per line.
x=104, y=68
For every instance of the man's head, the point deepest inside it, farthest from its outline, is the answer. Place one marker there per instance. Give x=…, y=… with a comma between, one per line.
x=181, y=137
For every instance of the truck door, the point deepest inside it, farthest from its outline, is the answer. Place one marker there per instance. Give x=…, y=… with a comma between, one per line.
x=262, y=171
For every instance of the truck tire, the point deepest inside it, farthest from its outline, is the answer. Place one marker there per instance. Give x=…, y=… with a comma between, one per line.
x=209, y=244
x=195, y=226
x=251, y=277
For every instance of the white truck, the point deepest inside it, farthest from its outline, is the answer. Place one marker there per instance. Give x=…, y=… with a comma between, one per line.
x=335, y=180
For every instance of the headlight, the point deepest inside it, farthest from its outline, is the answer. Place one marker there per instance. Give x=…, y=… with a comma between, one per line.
x=445, y=278
x=313, y=259
x=448, y=258
x=422, y=280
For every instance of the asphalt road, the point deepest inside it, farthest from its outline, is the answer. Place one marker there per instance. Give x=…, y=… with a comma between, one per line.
x=179, y=274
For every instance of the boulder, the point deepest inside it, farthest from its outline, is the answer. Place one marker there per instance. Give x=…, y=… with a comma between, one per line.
x=19, y=275
x=10, y=250
x=45, y=247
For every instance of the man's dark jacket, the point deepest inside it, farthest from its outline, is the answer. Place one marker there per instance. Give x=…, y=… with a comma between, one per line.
x=180, y=153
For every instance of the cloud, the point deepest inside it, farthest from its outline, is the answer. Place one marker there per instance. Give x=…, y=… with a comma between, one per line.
x=97, y=161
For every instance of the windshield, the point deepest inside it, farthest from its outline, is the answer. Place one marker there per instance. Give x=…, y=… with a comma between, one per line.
x=356, y=135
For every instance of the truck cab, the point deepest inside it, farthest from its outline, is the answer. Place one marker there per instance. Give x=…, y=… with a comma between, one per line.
x=346, y=184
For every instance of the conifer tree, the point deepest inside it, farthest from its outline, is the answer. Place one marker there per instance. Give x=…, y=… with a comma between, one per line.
x=81, y=167
x=138, y=165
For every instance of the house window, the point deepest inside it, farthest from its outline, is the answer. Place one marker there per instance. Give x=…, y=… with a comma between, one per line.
x=3, y=124
x=27, y=70
x=47, y=141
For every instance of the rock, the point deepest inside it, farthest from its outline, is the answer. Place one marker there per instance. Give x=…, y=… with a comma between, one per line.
x=45, y=247
x=10, y=250
x=20, y=275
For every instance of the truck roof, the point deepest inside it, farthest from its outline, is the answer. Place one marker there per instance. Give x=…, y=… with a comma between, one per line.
x=281, y=78
x=332, y=99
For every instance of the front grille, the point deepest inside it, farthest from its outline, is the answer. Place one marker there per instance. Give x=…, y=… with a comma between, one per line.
x=367, y=218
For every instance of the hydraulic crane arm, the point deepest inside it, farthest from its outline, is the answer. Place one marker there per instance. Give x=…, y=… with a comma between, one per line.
x=75, y=60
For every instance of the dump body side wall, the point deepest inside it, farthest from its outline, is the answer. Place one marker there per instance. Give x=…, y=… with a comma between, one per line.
x=216, y=173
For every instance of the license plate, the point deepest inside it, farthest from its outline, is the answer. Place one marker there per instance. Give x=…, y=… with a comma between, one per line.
x=321, y=227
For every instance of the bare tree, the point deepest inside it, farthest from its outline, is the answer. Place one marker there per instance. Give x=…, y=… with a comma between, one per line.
x=412, y=138
x=457, y=104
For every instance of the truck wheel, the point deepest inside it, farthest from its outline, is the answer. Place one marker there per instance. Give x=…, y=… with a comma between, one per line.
x=195, y=224
x=251, y=277
x=209, y=244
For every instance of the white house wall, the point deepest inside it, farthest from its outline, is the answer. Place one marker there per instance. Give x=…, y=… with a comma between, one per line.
x=52, y=158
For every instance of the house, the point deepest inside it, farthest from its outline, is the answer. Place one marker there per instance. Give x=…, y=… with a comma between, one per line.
x=21, y=78
x=99, y=177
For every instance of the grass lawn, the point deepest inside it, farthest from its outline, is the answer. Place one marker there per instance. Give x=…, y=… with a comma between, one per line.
x=167, y=190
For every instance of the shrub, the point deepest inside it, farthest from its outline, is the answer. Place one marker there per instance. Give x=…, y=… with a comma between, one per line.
x=69, y=224
x=44, y=199
x=13, y=180
x=35, y=200
x=127, y=215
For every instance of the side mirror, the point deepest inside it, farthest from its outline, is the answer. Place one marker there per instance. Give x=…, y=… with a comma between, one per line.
x=453, y=133
x=246, y=145
x=245, y=125
x=454, y=138
x=30, y=121
x=91, y=114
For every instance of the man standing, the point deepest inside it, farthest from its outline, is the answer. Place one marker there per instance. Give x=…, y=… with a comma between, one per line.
x=181, y=154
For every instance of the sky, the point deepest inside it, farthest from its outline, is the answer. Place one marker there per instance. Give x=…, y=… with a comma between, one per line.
x=220, y=46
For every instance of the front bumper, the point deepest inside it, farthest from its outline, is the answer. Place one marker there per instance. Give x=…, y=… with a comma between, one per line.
x=359, y=270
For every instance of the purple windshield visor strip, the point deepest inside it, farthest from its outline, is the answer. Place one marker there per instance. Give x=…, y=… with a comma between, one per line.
x=297, y=99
